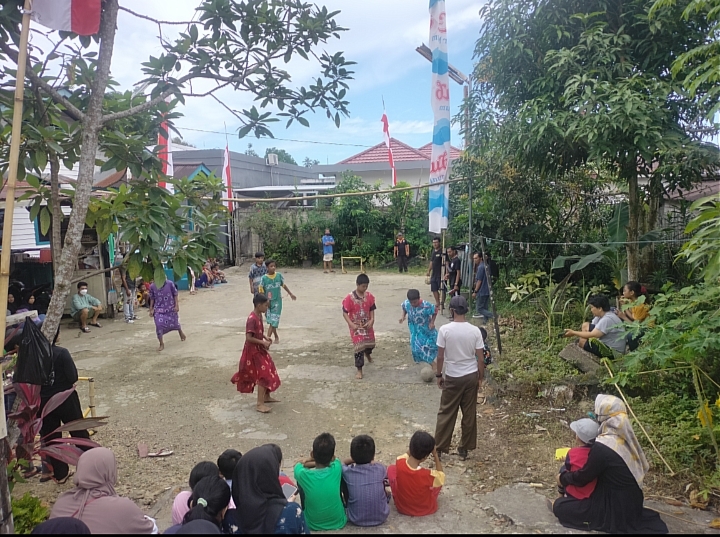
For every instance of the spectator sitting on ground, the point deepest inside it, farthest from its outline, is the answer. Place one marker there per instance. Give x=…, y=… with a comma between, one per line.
x=209, y=501
x=181, y=503
x=95, y=502
x=604, y=335
x=416, y=489
x=85, y=306
x=218, y=275
x=258, y=494
x=320, y=479
x=586, y=430
x=368, y=499
x=227, y=462
x=143, y=295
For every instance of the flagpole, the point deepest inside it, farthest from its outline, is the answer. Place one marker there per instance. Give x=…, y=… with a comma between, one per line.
x=231, y=206
x=6, y=520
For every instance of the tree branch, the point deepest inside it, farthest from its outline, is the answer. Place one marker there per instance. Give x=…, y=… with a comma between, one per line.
x=71, y=109
x=156, y=21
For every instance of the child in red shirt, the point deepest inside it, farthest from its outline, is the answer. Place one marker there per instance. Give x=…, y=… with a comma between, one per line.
x=415, y=489
x=586, y=430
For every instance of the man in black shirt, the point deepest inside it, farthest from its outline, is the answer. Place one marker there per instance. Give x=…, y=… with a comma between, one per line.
x=453, y=274
x=402, y=252
x=65, y=377
x=435, y=270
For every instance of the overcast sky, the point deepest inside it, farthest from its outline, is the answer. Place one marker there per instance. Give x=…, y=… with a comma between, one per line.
x=382, y=38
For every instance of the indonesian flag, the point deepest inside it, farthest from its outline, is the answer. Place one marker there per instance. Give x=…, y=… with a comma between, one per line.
x=386, y=135
x=165, y=154
x=81, y=17
x=226, y=176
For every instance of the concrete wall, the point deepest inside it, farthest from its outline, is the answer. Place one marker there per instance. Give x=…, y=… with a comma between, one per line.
x=412, y=172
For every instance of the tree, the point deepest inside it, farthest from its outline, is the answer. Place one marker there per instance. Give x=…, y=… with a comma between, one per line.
x=309, y=163
x=180, y=141
x=232, y=44
x=283, y=156
x=580, y=82
x=251, y=152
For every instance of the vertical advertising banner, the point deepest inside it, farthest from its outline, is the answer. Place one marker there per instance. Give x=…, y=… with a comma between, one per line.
x=439, y=202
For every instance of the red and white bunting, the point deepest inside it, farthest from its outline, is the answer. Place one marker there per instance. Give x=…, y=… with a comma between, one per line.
x=386, y=135
x=227, y=176
x=81, y=17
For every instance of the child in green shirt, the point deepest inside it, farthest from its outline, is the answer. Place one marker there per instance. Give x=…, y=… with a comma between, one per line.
x=319, y=479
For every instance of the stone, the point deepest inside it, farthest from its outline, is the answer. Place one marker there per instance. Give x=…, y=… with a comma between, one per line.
x=583, y=360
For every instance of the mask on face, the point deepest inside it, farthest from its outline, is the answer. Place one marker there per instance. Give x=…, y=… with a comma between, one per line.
x=83, y=292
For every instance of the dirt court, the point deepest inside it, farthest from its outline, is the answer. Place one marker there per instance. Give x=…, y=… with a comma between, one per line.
x=182, y=400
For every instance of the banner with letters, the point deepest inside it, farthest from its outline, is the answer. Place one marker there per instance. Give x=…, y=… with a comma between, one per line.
x=439, y=202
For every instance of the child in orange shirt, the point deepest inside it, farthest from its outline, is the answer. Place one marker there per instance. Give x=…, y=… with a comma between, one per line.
x=416, y=489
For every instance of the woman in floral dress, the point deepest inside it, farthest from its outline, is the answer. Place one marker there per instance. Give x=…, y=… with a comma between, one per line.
x=256, y=365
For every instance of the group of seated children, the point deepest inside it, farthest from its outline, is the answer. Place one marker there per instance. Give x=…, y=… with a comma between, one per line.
x=359, y=489
x=210, y=275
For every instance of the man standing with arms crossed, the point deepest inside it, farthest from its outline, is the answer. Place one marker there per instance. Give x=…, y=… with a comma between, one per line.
x=328, y=242
x=402, y=252
x=460, y=351
x=436, y=263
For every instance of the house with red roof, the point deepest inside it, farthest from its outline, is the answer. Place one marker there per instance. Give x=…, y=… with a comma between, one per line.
x=373, y=165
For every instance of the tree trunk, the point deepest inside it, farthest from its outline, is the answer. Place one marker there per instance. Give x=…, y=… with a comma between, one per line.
x=6, y=518
x=634, y=214
x=91, y=127
x=56, y=209
x=650, y=222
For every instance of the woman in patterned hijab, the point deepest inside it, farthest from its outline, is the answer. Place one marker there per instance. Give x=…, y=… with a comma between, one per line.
x=617, y=433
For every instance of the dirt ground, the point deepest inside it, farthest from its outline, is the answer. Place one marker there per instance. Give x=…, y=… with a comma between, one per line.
x=182, y=400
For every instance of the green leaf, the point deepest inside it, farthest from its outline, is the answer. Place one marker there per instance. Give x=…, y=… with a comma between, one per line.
x=45, y=219
x=159, y=276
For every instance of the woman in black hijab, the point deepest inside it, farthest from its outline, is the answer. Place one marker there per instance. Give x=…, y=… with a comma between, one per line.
x=12, y=304
x=261, y=506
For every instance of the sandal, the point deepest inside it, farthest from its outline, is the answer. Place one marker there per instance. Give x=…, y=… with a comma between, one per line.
x=96, y=325
x=32, y=472
x=85, y=329
x=65, y=479
x=162, y=453
x=46, y=478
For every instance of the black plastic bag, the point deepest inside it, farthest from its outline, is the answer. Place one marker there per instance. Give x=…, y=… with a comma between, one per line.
x=35, y=357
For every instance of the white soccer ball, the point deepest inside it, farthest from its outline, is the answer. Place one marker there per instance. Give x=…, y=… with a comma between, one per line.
x=427, y=374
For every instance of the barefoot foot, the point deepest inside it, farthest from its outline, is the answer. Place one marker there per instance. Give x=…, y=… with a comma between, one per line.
x=358, y=375
x=264, y=409
x=269, y=399
x=161, y=347
x=277, y=340
x=183, y=337
x=369, y=358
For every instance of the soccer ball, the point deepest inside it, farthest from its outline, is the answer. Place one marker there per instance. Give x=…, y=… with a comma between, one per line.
x=427, y=374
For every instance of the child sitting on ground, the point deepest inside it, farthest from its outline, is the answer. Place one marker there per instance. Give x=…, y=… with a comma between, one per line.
x=586, y=430
x=180, y=504
x=365, y=479
x=319, y=480
x=416, y=489
x=227, y=462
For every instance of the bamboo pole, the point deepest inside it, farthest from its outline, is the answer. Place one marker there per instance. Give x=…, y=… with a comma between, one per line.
x=604, y=362
x=91, y=396
x=6, y=519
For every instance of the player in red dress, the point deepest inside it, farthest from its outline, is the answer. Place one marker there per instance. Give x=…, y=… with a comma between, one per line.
x=256, y=365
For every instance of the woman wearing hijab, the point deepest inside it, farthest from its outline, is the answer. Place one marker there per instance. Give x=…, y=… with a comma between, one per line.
x=261, y=504
x=618, y=463
x=95, y=502
x=12, y=303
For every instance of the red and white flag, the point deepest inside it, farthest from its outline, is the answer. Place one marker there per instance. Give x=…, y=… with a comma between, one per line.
x=81, y=17
x=227, y=177
x=386, y=135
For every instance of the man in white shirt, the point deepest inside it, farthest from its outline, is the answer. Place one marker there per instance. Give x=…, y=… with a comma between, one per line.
x=460, y=351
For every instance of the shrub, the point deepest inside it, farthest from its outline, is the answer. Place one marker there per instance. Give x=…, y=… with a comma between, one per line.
x=28, y=512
